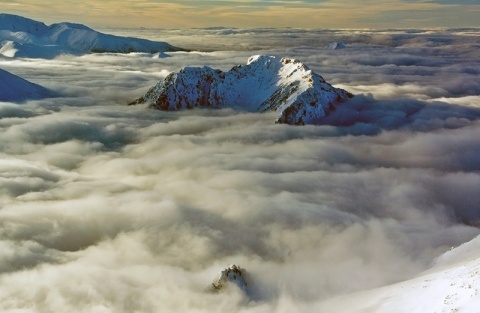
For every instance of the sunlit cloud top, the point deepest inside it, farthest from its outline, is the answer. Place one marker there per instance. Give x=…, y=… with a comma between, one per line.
x=251, y=14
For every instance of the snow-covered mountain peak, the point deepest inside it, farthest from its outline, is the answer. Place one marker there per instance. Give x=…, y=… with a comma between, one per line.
x=265, y=83
x=65, y=25
x=257, y=58
x=275, y=63
x=23, y=37
x=16, y=23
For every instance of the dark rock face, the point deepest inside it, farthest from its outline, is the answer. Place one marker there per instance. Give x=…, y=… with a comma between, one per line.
x=232, y=275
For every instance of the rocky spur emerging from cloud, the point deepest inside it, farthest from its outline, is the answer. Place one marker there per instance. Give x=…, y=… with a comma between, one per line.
x=232, y=275
x=23, y=37
x=266, y=83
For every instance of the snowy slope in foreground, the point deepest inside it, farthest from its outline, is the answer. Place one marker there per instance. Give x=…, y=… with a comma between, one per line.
x=14, y=88
x=23, y=37
x=265, y=83
x=452, y=285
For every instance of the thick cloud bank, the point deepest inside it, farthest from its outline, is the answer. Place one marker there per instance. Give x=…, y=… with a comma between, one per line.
x=110, y=208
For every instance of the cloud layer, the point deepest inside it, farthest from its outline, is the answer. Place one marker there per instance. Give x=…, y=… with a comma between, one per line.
x=109, y=208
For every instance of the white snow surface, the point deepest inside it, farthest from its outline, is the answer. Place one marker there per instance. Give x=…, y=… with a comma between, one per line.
x=334, y=45
x=14, y=88
x=23, y=37
x=451, y=285
x=265, y=83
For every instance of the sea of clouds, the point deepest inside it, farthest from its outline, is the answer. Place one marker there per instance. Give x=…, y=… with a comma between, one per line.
x=106, y=207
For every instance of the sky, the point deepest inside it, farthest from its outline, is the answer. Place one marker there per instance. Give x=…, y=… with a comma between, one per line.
x=253, y=14
x=113, y=208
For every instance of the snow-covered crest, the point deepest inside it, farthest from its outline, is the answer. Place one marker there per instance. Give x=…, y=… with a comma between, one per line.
x=452, y=285
x=23, y=37
x=265, y=83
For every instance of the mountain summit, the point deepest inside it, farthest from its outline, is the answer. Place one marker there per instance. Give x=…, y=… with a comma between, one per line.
x=23, y=37
x=265, y=83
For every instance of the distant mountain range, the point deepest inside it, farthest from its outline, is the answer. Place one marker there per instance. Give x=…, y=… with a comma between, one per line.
x=17, y=89
x=23, y=37
x=265, y=83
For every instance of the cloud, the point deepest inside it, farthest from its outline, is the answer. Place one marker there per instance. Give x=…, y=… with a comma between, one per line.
x=110, y=208
x=450, y=2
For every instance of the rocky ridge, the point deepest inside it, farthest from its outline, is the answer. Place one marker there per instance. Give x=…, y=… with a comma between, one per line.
x=265, y=83
x=231, y=275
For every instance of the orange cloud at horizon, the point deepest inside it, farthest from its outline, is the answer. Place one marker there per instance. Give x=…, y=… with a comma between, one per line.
x=245, y=14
